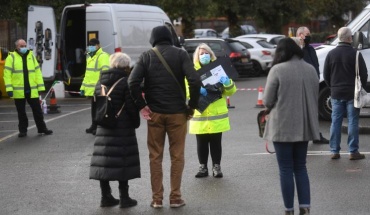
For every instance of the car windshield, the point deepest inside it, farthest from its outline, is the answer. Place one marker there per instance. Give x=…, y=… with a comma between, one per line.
x=265, y=44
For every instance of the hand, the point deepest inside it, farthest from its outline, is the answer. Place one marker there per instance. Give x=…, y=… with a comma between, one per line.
x=10, y=93
x=189, y=112
x=225, y=80
x=203, y=91
x=145, y=113
x=82, y=92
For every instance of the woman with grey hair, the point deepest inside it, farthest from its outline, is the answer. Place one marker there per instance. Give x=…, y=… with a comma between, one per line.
x=116, y=153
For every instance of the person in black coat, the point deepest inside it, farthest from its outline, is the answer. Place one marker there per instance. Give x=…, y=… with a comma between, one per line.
x=116, y=152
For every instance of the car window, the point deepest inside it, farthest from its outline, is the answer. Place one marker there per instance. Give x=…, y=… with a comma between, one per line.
x=216, y=47
x=276, y=40
x=265, y=44
x=191, y=46
x=211, y=34
x=246, y=45
x=198, y=33
x=236, y=46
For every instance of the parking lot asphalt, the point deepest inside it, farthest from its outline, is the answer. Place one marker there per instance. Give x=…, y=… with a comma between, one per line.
x=49, y=174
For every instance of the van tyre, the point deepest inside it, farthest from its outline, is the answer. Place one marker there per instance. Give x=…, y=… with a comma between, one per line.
x=325, y=104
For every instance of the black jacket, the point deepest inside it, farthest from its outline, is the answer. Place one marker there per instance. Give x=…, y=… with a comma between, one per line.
x=116, y=153
x=162, y=93
x=310, y=57
x=339, y=71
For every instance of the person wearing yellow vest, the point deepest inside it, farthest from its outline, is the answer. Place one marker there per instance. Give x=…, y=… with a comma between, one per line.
x=23, y=81
x=209, y=125
x=96, y=62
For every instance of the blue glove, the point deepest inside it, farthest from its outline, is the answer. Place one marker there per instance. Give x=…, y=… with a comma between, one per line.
x=10, y=93
x=225, y=80
x=82, y=92
x=203, y=91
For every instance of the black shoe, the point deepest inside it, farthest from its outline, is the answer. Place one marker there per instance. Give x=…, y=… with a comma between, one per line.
x=203, y=171
x=45, y=131
x=217, y=171
x=108, y=201
x=322, y=140
x=127, y=202
x=22, y=134
x=91, y=130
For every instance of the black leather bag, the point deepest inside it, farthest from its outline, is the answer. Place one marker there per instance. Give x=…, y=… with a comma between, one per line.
x=261, y=121
x=106, y=116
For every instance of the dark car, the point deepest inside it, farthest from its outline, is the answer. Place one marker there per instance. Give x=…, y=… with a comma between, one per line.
x=238, y=54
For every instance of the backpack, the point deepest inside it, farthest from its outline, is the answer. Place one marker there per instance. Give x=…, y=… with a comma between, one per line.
x=106, y=115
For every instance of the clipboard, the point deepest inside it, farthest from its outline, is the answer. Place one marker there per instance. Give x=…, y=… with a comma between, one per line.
x=221, y=65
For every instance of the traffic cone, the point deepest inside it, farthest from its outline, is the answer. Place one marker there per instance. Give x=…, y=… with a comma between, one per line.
x=228, y=103
x=260, y=96
x=53, y=107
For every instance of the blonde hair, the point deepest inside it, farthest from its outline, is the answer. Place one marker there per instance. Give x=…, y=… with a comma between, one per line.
x=119, y=60
x=207, y=48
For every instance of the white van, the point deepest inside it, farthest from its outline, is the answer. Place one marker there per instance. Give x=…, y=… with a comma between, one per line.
x=119, y=28
x=360, y=27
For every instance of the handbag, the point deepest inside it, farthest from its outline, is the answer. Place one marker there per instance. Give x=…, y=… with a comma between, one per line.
x=361, y=98
x=106, y=115
x=261, y=121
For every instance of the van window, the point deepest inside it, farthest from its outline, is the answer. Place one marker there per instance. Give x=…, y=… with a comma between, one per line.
x=366, y=31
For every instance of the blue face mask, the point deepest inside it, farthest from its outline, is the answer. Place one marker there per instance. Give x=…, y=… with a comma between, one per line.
x=205, y=59
x=23, y=50
x=91, y=49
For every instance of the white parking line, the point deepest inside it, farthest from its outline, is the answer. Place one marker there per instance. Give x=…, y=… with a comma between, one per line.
x=46, y=121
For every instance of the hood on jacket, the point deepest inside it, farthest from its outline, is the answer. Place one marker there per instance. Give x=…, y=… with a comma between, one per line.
x=160, y=34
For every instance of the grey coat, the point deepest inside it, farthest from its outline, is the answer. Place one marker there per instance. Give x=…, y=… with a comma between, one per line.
x=291, y=93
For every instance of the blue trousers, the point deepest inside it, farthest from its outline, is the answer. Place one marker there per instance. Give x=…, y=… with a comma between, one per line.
x=291, y=157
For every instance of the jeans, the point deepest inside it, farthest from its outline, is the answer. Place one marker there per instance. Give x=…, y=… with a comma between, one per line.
x=175, y=126
x=340, y=108
x=291, y=157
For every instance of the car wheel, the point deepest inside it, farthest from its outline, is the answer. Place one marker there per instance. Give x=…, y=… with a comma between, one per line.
x=325, y=104
x=257, y=69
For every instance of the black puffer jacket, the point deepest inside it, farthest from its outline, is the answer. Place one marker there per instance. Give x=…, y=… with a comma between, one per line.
x=162, y=93
x=116, y=153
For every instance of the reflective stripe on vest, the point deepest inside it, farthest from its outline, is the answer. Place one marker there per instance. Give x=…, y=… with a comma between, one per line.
x=206, y=118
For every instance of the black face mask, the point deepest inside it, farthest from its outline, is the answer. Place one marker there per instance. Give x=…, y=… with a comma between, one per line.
x=307, y=40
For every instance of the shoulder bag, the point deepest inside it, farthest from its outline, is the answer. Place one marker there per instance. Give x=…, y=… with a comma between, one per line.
x=361, y=98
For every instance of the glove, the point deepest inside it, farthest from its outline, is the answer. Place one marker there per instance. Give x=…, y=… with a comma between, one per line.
x=225, y=80
x=82, y=92
x=10, y=93
x=203, y=91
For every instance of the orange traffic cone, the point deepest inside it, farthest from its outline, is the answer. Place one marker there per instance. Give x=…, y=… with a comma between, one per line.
x=260, y=96
x=228, y=103
x=53, y=107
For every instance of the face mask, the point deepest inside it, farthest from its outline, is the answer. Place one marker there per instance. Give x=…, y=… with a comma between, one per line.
x=23, y=50
x=307, y=40
x=205, y=59
x=91, y=49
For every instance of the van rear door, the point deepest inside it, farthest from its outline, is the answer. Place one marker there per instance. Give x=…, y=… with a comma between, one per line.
x=41, y=38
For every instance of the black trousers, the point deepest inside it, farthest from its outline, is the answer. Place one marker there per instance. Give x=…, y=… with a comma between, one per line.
x=206, y=143
x=38, y=116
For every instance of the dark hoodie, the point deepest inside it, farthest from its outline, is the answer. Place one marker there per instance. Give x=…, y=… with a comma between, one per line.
x=162, y=94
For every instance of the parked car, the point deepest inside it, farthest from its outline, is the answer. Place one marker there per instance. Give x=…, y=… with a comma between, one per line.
x=238, y=54
x=205, y=32
x=262, y=53
x=271, y=38
x=246, y=29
